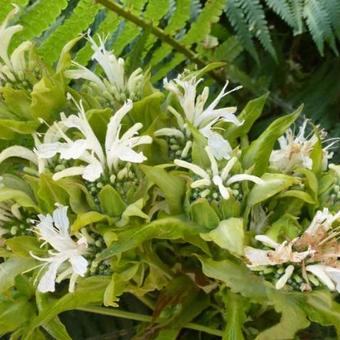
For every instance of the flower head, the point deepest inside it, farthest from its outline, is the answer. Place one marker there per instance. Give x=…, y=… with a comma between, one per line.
x=115, y=86
x=316, y=251
x=88, y=149
x=295, y=151
x=199, y=115
x=214, y=177
x=66, y=254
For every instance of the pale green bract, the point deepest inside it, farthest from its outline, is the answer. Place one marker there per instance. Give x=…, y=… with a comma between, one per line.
x=120, y=188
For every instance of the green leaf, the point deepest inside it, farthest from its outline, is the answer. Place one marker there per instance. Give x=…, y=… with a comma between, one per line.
x=203, y=214
x=48, y=97
x=88, y=290
x=292, y=318
x=169, y=228
x=85, y=219
x=237, y=277
x=236, y=307
x=23, y=245
x=14, y=313
x=18, y=196
x=272, y=185
x=11, y=268
x=50, y=193
x=321, y=308
x=147, y=109
x=302, y=195
x=249, y=115
x=110, y=201
x=173, y=187
x=228, y=235
x=259, y=151
x=177, y=304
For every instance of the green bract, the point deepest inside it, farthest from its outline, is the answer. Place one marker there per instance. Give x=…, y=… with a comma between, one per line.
x=122, y=188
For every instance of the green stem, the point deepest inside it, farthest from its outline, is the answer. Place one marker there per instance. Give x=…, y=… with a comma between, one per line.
x=144, y=318
x=159, y=33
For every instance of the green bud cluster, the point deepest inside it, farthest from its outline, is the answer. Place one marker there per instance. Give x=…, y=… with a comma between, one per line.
x=18, y=228
x=295, y=282
x=95, y=245
x=176, y=147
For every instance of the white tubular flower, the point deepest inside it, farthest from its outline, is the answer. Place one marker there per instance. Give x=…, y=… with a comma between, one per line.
x=214, y=177
x=115, y=85
x=328, y=275
x=50, y=138
x=12, y=67
x=281, y=253
x=201, y=118
x=294, y=150
x=88, y=150
x=322, y=220
x=66, y=258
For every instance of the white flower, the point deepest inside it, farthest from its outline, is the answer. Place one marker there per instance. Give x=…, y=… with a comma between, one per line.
x=295, y=151
x=118, y=147
x=279, y=254
x=115, y=86
x=12, y=67
x=322, y=220
x=51, y=136
x=201, y=118
x=67, y=255
x=215, y=177
x=328, y=275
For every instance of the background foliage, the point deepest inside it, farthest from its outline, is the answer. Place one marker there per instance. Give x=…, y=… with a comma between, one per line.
x=289, y=48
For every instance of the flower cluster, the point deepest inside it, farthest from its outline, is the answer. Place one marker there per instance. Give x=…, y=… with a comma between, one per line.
x=111, y=186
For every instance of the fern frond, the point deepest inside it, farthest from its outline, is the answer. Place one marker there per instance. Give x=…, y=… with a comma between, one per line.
x=37, y=18
x=6, y=6
x=239, y=23
x=296, y=7
x=79, y=21
x=318, y=23
x=155, y=11
x=177, y=21
x=129, y=30
x=197, y=32
x=257, y=22
x=333, y=9
x=282, y=8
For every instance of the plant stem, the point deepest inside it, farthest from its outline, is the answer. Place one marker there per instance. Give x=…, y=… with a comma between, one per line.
x=144, y=318
x=159, y=33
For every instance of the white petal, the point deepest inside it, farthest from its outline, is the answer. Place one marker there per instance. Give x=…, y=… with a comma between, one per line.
x=244, y=177
x=61, y=220
x=93, y=171
x=267, y=241
x=257, y=257
x=193, y=167
x=281, y=282
x=200, y=183
x=170, y=132
x=72, y=150
x=79, y=265
x=18, y=151
x=73, y=171
x=213, y=162
x=334, y=274
x=319, y=271
x=47, y=281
